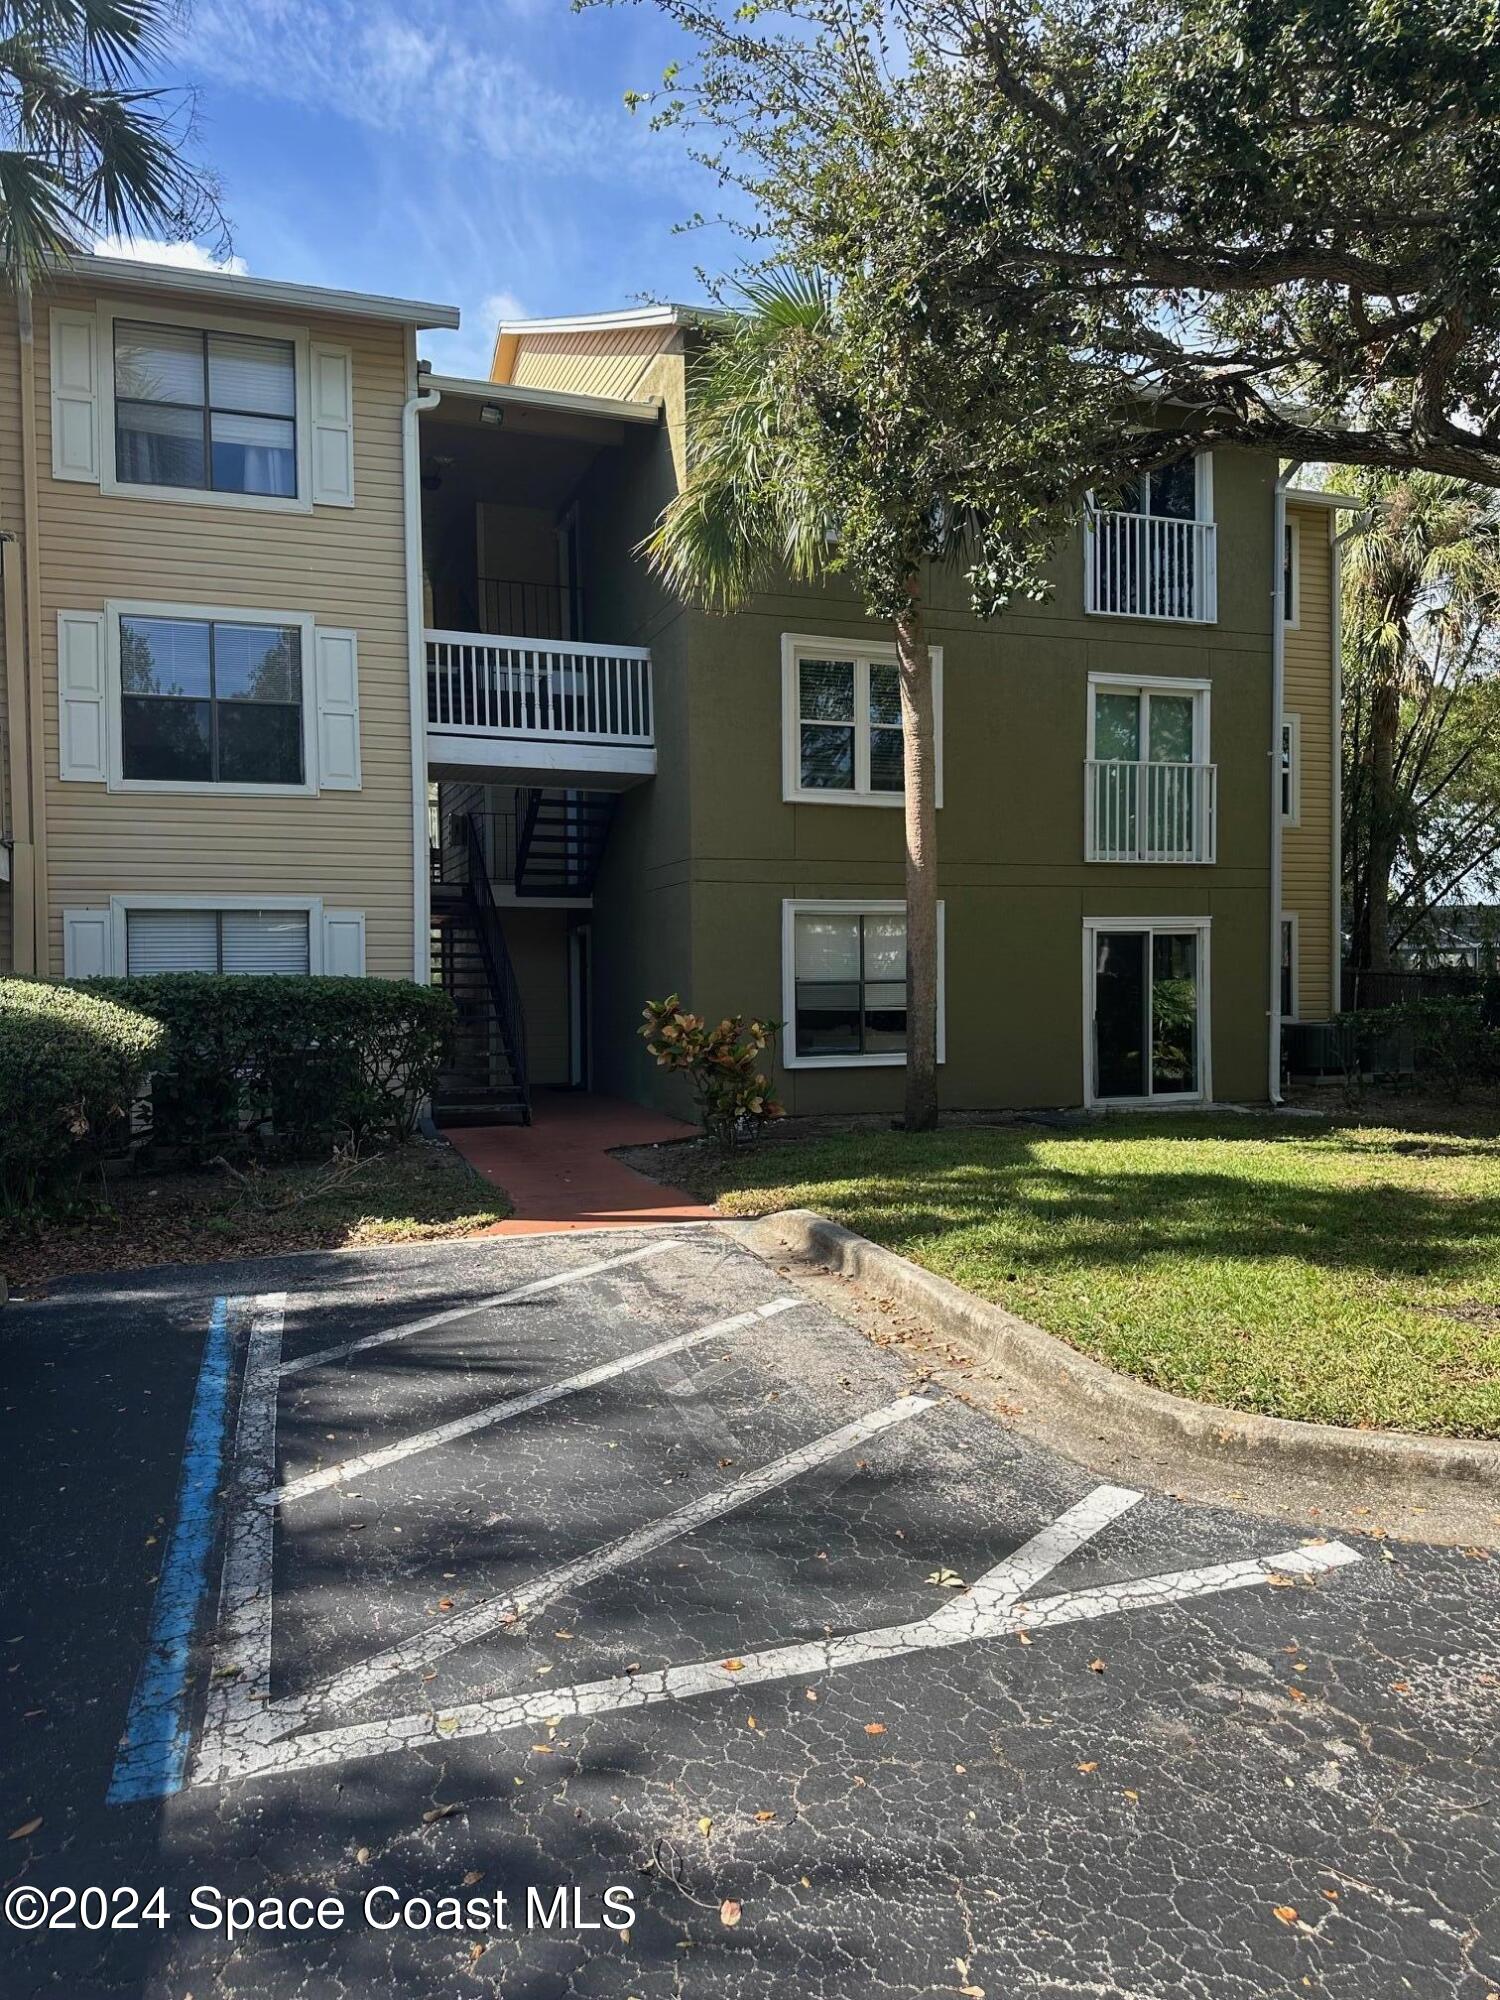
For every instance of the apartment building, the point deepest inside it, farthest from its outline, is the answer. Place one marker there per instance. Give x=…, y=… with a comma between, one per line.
x=315, y=661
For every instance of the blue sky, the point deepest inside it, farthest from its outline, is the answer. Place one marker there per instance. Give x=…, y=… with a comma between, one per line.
x=472, y=151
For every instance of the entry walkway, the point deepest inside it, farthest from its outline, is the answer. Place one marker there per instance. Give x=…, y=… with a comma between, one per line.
x=558, y=1171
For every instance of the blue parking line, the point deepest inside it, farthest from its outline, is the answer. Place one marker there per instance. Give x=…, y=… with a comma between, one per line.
x=154, y=1748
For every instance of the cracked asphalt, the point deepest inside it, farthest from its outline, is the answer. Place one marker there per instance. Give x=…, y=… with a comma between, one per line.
x=694, y=1654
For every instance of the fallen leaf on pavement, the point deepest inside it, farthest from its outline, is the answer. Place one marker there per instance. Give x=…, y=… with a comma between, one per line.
x=439, y=1812
x=26, y=1828
x=874, y=1729
x=764, y=1816
x=729, y=1913
x=734, y=1666
x=1096, y=1666
x=1285, y=1912
x=947, y=1579
x=1092, y=1765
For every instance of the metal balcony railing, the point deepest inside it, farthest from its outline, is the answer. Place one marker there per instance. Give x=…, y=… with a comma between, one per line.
x=1150, y=812
x=539, y=690
x=1150, y=566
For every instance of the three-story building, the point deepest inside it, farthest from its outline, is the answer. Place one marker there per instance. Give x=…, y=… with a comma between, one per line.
x=319, y=662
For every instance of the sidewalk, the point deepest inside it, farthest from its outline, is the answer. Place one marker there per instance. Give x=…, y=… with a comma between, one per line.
x=558, y=1172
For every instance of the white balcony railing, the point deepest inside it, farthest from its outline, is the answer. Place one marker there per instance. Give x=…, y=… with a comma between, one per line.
x=1150, y=812
x=1150, y=566
x=539, y=690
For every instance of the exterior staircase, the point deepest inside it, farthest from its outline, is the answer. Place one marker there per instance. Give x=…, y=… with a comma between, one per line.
x=560, y=839
x=484, y=1081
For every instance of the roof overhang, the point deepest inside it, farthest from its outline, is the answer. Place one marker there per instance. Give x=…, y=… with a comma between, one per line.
x=229, y=286
x=559, y=402
x=1308, y=496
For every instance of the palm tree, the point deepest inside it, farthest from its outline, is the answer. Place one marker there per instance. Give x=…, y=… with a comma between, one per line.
x=784, y=478
x=1421, y=588
x=85, y=148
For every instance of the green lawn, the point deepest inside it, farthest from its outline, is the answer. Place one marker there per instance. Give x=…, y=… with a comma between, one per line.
x=1340, y=1273
x=419, y=1191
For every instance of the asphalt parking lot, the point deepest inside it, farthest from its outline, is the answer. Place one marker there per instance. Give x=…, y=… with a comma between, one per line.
x=617, y=1566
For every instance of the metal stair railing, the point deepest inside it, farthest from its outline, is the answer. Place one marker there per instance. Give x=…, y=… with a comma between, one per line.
x=499, y=972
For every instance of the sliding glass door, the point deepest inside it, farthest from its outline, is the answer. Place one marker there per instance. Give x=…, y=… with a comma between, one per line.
x=1147, y=999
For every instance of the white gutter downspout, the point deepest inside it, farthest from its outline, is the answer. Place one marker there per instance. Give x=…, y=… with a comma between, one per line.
x=1278, y=711
x=418, y=399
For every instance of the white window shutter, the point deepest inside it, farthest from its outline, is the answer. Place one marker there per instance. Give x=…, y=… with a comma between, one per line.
x=75, y=396
x=80, y=697
x=332, y=370
x=336, y=681
x=344, y=944
x=86, y=944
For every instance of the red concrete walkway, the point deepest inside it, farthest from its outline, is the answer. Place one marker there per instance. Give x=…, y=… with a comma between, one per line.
x=558, y=1172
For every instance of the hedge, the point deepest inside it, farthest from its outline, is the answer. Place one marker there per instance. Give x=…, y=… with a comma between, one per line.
x=70, y=1065
x=292, y=1066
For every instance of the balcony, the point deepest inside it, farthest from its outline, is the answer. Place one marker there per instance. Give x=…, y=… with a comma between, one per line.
x=1150, y=812
x=1150, y=566
x=545, y=711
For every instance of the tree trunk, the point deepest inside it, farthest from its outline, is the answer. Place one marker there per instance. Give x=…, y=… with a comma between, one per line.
x=1385, y=724
x=920, y=770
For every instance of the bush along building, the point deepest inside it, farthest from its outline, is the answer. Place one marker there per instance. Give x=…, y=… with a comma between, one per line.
x=318, y=662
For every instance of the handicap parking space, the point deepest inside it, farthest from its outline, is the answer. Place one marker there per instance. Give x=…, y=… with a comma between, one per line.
x=621, y=1563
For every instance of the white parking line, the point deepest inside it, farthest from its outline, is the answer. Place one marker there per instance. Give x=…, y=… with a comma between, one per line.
x=796, y=1661
x=240, y=1683
x=530, y=1291
x=517, y=1406
x=434, y=1642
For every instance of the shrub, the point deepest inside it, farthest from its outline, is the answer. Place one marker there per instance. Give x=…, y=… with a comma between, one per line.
x=1449, y=1043
x=293, y=1066
x=734, y=1099
x=70, y=1065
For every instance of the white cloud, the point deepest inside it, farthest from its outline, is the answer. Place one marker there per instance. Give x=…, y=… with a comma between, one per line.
x=450, y=88
x=185, y=256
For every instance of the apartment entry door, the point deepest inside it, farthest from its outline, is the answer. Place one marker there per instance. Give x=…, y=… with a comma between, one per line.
x=1147, y=1007
x=580, y=1009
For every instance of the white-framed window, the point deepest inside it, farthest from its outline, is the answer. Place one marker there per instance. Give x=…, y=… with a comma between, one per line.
x=1147, y=1034
x=841, y=722
x=141, y=934
x=153, y=403
x=1291, y=770
x=207, y=699
x=1290, y=967
x=1149, y=546
x=242, y=941
x=843, y=968
x=1291, y=573
x=1150, y=792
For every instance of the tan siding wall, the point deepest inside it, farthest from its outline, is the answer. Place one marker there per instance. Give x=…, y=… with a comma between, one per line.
x=345, y=566
x=602, y=363
x=1307, y=849
x=10, y=523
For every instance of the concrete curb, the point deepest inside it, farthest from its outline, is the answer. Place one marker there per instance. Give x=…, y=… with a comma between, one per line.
x=1050, y=1367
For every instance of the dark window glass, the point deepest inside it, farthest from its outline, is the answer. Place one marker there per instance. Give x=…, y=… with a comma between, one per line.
x=1174, y=1014
x=167, y=739
x=208, y=410
x=1173, y=490
x=1288, y=994
x=1288, y=573
x=1120, y=1013
x=205, y=703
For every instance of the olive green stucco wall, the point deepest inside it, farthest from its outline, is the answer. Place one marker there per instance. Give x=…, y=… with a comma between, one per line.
x=702, y=857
